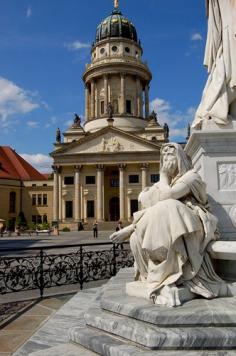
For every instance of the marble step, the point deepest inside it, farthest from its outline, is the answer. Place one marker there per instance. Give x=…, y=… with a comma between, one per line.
x=154, y=337
x=197, y=312
x=64, y=350
x=200, y=311
x=107, y=345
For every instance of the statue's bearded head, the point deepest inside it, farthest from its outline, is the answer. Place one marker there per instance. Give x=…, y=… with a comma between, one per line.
x=174, y=160
x=169, y=161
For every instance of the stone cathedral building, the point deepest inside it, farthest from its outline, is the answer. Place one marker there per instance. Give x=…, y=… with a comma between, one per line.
x=100, y=168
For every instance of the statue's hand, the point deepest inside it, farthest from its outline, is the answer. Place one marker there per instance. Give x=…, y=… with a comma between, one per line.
x=122, y=235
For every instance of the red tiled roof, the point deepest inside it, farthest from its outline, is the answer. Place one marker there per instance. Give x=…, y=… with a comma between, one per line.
x=13, y=166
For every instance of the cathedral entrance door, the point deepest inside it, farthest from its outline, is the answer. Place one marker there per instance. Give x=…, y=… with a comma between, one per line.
x=114, y=209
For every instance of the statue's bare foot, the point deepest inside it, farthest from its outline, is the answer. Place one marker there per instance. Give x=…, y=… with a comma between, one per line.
x=122, y=235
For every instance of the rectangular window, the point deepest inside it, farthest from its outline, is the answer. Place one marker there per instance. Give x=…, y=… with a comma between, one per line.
x=45, y=199
x=45, y=185
x=102, y=108
x=33, y=199
x=69, y=209
x=128, y=106
x=90, y=208
x=90, y=180
x=33, y=185
x=34, y=219
x=133, y=206
x=68, y=180
x=134, y=178
x=39, y=219
x=155, y=178
x=39, y=199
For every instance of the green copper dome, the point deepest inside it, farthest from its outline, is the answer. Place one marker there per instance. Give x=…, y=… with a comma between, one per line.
x=116, y=25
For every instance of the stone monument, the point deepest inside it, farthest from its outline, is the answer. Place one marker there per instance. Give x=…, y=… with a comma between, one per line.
x=212, y=143
x=169, y=236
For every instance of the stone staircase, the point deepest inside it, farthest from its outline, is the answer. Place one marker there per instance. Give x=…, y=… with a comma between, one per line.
x=136, y=326
x=115, y=324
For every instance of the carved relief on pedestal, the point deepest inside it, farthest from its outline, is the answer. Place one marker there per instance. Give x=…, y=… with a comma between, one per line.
x=227, y=176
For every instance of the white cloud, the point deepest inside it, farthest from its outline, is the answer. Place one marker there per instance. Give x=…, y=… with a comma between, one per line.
x=14, y=100
x=177, y=120
x=40, y=161
x=32, y=124
x=77, y=45
x=29, y=12
x=196, y=37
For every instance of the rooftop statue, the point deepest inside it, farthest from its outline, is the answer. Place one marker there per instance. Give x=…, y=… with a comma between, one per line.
x=168, y=238
x=77, y=120
x=220, y=59
x=58, y=135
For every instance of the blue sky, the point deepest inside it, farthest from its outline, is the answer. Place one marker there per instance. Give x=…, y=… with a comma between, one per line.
x=44, y=46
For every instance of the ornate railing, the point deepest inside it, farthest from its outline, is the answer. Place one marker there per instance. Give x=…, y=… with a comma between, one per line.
x=44, y=269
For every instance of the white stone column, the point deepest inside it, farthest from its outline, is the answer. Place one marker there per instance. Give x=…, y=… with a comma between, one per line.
x=97, y=109
x=147, y=101
x=55, y=193
x=144, y=167
x=122, y=190
x=92, y=101
x=106, y=93
x=60, y=194
x=122, y=93
x=85, y=206
x=129, y=204
x=100, y=179
x=77, y=215
x=86, y=102
x=139, y=97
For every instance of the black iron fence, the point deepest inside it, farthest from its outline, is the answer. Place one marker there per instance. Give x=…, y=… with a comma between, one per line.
x=51, y=266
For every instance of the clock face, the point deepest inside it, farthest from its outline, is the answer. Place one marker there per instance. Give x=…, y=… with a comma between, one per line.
x=102, y=50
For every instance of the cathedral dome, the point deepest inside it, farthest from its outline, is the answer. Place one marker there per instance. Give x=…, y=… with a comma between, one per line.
x=116, y=25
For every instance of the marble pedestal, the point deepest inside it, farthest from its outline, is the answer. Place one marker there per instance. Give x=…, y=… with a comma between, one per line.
x=213, y=153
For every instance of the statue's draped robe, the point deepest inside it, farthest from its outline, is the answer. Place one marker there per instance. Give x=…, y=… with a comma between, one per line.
x=220, y=60
x=170, y=239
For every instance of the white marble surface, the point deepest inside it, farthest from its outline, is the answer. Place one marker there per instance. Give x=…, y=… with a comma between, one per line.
x=213, y=156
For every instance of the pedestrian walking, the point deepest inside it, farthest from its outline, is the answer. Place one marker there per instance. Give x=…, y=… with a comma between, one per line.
x=95, y=229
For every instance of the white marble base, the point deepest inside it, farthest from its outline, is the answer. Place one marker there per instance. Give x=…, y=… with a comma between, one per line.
x=213, y=152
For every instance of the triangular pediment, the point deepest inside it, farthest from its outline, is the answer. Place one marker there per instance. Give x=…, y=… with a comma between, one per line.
x=109, y=141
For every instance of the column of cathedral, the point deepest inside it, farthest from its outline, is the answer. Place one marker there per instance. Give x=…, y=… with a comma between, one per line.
x=105, y=93
x=100, y=182
x=144, y=167
x=77, y=215
x=60, y=193
x=92, y=99
x=122, y=190
x=87, y=102
x=122, y=93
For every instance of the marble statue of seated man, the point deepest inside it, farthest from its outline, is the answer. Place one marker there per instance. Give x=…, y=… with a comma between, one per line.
x=168, y=238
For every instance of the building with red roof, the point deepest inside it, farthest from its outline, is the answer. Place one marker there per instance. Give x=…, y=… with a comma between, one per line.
x=23, y=189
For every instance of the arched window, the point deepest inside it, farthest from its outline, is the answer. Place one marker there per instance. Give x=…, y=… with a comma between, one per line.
x=12, y=202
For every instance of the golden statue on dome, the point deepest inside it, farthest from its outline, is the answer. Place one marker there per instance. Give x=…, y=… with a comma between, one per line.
x=116, y=4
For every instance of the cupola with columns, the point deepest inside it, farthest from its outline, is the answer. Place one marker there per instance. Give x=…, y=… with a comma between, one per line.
x=116, y=75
